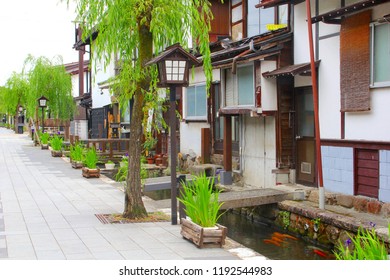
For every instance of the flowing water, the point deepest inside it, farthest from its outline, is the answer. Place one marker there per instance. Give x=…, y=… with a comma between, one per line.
x=269, y=242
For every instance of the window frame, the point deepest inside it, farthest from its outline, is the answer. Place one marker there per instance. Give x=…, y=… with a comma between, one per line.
x=197, y=117
x=374, y=84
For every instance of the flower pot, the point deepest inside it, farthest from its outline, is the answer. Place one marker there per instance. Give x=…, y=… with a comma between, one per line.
x=44, y=146
x=203, y=236
x=150, y=160
x=56, y=153
x=109, y=166
x=90, y=172
x=77, y=164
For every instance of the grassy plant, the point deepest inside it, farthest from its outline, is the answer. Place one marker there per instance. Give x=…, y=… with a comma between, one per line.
x=44, y=137
x=285, y=215
x=200, y=201
x=121, y=175
x=91, y=158
x=77, y=152
x=366, y=246
x=56, y=143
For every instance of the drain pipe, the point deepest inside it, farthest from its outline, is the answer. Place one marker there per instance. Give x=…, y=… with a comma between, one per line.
x=234, y=63
x=316, y=114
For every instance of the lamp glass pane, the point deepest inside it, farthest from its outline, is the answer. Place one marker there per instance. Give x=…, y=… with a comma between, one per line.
x=42, y=102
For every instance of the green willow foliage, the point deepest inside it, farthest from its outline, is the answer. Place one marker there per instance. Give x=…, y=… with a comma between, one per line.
x=14, y=93
x=130, y=32
x=169, y=22
x=49, y=78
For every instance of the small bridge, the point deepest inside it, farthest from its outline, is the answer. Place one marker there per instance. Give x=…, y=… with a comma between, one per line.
x=236, y=199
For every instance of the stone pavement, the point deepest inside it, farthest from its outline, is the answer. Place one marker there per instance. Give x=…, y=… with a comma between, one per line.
x=47, y=211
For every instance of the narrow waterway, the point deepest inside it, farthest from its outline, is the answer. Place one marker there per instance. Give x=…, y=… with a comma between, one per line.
x=269, y=242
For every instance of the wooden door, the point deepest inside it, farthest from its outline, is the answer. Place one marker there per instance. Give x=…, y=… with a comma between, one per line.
x=304, y=136
x=367, y=172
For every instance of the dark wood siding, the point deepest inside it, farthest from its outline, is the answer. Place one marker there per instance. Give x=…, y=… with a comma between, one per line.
x=221, y=22
x=367, y=172
x=285, y=123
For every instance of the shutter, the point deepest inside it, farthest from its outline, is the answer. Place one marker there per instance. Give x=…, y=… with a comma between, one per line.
x=229, y=88
x=355, y=62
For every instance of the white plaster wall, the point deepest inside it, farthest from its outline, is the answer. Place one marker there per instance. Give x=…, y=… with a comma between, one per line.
x=190, y=133
x=329, y=88
x=101, y=74
x=269, y=100
x=190, y=137
x=301, y=45
x=80, y=128
x=258, y=151
x=372, y=125
x=75, y=85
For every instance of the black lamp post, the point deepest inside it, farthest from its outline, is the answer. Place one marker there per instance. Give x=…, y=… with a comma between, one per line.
x=173, y=70
x=42, y=102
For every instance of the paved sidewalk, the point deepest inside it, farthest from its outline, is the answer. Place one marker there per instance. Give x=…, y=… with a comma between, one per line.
x=47, y=211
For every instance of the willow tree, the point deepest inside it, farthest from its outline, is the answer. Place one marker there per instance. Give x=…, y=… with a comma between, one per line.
x=49, y=78
x=14, y=93
x=131, y=32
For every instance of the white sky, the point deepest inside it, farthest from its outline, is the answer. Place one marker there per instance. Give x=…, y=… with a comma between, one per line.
x=37, y=27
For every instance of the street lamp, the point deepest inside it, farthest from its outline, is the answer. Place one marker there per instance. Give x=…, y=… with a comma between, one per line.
x=42, y=102
x=20, y=120
x=173, y=66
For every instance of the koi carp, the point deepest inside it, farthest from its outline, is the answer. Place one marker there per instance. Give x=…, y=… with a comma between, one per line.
x=320, y=253
x=270, y=241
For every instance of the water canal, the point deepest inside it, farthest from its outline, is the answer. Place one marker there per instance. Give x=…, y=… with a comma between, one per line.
x=271, y=242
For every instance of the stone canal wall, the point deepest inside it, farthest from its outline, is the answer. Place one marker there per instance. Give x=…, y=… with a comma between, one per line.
x=342, y=217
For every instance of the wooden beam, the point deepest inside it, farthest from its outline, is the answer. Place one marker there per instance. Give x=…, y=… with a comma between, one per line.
x=227, y=143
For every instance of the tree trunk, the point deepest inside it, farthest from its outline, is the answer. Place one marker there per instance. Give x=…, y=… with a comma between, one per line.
x=134, y=207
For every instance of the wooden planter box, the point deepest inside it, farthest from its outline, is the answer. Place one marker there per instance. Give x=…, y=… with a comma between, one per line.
x=56, y=153
x=90, y=173
x=201, y=236
x=77, y=164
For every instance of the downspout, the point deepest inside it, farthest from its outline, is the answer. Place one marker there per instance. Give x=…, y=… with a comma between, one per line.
x=234, y=63
x=316, y=114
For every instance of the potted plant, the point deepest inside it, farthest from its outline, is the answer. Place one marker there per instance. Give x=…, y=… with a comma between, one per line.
x=124, y=161
x=56, y=146
x=44, y=138
x=149, y=146
x=203, y=210
x=90, y=168
x=76, y=155
x=110, y=165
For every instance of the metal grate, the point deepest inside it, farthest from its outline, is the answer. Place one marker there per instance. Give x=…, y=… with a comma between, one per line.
x=102, y=218
x=306, y=167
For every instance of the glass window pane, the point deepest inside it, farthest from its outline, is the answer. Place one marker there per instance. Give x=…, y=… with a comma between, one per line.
x=201, y=105
x=196, y=101
x=235, y=2
x=267, y=16
x=237, y=32
x=283, y=14
x=253, y=18
x=245, y=85
x=237, y=13
x=382, y=53
x=191, y=101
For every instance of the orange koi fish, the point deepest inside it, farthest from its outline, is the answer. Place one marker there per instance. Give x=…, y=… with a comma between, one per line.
x=290, y=237
x=277, y=239
x=270, y=241
x=278, y=234
x=320, y=253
